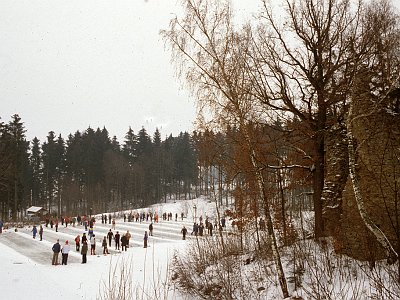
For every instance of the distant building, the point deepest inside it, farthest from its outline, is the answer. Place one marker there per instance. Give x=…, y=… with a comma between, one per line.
x=36, y=211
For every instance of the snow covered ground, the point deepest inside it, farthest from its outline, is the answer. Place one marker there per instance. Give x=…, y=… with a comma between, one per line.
x=312, y=270
x=26, y=270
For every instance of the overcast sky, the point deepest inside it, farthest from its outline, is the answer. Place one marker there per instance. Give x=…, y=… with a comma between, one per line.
x=68, y=65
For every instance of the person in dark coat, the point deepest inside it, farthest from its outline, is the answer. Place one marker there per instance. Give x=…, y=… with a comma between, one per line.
x=151, y=229
x=116, y=238
x=56, y=250
x=84, y=251
x=84, y=238
x=145, y=239
x=41, y=232
x=110, y=236
x=184, y=232
x=104, y=244
x=124, y=242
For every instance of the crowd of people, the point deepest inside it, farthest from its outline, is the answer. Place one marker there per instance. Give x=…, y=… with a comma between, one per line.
x=121, y=240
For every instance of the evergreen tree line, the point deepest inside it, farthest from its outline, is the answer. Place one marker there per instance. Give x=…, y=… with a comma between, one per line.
x=90, y=172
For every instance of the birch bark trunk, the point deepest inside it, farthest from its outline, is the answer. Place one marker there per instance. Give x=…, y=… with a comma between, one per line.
x=375, y=230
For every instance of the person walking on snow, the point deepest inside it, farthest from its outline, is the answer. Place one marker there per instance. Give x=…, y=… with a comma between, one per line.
x=77, y=242
x=84, y=238
x=146, y=237
x=116, y=238
x=184, y=232
x=84, y=251
x=128, y=237
x=104, y=244
x=1, y=226
x=151, y=229
x=41, y=232
x=124, y=242
x=110, y=236
x=34, y=231
x=56, y=249
x=90, y=232
x=64, y=252
x=93, y=245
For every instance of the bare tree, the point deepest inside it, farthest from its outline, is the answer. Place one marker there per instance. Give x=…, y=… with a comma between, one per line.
x=211, y=55
x=302, y=67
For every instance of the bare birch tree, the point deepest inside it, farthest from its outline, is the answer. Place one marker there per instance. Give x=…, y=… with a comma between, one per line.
x=211, y=55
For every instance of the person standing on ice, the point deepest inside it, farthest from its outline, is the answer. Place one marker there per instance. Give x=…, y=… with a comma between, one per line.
x=64, y=252
x=84, y=251
x=146, y=237
x=90, y=232
x=57, y=225
x=104, y=244
x=124, y=242
x=34, y=231
x=93, y=245
x=110, y=236
x=128, y=237
x=184, y=232
x=56, y=249
x=113, y=224
x=151, y=229
x=41, y=232
x=84, y=238
x=77, y=242
x=116, y=238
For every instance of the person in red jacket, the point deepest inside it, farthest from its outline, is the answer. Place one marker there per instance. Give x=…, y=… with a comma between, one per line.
x=78, y=242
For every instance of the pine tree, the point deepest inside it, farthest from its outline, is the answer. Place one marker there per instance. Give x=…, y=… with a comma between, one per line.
x=20, y=164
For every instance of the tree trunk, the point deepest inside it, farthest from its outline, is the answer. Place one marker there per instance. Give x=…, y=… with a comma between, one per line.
x=375, y=230
x=270, y=227
x=318, y=184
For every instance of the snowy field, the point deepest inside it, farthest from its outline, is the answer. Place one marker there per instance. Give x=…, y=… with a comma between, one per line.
x=27, y=272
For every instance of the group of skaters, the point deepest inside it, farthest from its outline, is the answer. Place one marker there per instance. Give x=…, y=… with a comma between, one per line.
x=121, y=243
x=199, y=229
x=142, y=216
x=79, y=220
